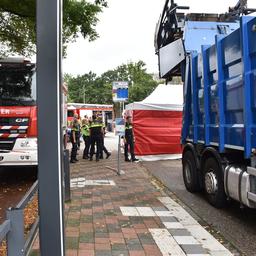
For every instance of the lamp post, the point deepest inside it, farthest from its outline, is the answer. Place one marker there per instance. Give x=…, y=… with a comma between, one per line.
x=50, y=147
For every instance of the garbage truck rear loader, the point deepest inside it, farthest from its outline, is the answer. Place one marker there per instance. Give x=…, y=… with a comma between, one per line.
x=216, y=57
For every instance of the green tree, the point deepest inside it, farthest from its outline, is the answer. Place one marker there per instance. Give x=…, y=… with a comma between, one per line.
x=18, y=23
x=98, y=90
x=89, y=89
x=141, y=84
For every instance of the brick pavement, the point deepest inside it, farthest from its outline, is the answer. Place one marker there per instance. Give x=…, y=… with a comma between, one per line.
x=95, y=224
x=128, y=215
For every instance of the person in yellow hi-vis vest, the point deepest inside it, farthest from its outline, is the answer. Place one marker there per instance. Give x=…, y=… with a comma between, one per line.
x=85, y=130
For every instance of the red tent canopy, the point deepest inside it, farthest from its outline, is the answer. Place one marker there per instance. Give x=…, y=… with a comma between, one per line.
x=157, y=123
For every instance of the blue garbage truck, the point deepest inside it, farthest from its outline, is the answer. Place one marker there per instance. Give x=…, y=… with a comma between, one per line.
x=215, y=56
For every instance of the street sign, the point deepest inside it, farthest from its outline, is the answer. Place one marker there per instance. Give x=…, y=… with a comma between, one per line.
x=120, y=91
x=120, y=127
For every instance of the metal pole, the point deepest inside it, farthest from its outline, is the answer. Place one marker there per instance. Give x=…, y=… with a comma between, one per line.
x=118, y=157
x=84, y=92
x=67, y=176
x=50, y=142
x=15, y=238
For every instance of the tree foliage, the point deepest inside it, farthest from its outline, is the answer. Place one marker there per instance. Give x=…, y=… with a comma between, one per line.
x=18, y=23
x=90, y=88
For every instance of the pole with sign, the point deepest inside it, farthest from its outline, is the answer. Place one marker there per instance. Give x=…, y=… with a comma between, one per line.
x=120, y=92
x=120, y=132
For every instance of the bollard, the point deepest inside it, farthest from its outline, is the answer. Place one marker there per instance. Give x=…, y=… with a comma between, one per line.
x=67, y=176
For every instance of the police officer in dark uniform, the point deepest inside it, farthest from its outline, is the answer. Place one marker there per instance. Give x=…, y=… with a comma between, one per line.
x=129, y=140
x=73, y=138
x=96, y=132
x=102, y=145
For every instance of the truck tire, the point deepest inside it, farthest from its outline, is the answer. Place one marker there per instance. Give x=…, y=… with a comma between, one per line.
x=190, y=173
x=214, y=183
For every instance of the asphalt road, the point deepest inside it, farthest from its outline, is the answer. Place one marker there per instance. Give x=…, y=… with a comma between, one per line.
x=236, y=225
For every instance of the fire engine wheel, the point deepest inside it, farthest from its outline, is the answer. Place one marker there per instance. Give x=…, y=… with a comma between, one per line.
x=213, y=183
x=190, y=173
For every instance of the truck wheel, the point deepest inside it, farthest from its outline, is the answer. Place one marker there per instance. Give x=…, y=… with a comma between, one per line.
x=213, y=183
x=190, y=173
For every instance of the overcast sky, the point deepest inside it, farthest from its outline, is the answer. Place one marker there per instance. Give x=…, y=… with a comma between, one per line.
x=126, y=30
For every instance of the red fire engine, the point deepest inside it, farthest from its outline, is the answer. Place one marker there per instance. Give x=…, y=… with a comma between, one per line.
x=18, y=112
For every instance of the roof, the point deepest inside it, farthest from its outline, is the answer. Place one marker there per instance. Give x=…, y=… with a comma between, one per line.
x=164, y=97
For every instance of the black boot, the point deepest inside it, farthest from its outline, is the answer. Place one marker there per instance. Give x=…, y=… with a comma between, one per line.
x=108, y=155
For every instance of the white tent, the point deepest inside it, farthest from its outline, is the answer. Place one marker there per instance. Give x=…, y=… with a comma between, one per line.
x=164, y=97
x=157, y=123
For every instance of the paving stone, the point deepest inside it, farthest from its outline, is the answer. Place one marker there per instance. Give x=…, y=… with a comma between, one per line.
x=185, y=240
x=71, y=243
x=193, y=249
x=86, y=246
x=86, y=206
x=74, y=208
x=120, y=253
x=137, y=253
x=101, y=235
x=168, y=219
x=113, y=228
x=159, y=208
x=133, y=244
x=109, y=213
x=86, y=252
x=173, y=225
x=86, y=238
x=73, y=222
x=179, y=232
x=103, y=247
x=103, y=253
x=118, y=247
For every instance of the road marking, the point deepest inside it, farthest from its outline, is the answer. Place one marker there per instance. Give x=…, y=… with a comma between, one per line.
x=81, y=182
x=145, y=211
x=207, y=241
x=185, y=240
x=166, y=243
x=189, y=237
x=129, y=211
x=173, y=225
x=163, y=213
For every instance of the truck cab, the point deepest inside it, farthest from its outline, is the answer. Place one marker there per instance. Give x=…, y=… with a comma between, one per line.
x=18, y=113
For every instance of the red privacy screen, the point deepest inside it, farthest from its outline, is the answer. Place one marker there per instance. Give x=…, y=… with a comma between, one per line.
x=157, y=132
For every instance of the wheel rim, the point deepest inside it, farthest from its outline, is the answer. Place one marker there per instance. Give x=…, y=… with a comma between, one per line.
x=188, y=173
x=211, y=182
